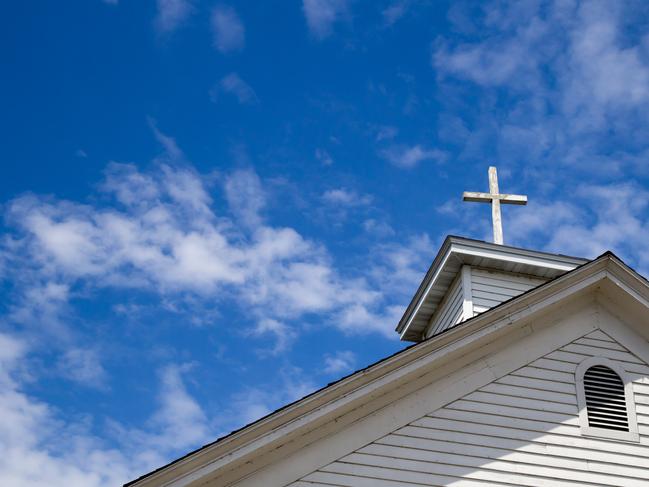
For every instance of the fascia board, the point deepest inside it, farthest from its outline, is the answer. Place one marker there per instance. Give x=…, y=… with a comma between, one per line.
x=420, y=296
x=333, y=401
x=519, y=256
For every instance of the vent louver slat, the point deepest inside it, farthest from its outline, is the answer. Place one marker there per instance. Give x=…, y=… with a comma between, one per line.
x=605, y=400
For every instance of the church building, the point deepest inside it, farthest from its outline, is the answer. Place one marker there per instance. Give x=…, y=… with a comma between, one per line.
x=528, y=369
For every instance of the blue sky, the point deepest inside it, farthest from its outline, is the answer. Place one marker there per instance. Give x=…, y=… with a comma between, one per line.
x=210, y=209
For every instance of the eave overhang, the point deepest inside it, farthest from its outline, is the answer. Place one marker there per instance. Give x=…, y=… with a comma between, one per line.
x=239, y=450
x=458, y=251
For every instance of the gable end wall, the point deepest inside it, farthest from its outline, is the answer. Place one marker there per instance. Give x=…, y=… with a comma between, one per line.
x=521, y=429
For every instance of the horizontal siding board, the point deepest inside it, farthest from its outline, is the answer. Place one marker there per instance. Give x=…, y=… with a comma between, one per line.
x=500, y=460
x=449, y=311
x=489, y=289
x=539, y=384
x=522, y=402
x=396, y=474
x=594, y=450
x=496, y=425
x=515, y=412
x=556, y=365
x=545, y=374
x=601, y=352
x=600, y=344
x=524, y=452
x=528, y=393
x=428, y=474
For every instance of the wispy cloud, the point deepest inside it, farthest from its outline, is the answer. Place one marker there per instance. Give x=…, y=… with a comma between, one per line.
x=598, y=218
x=252, y=403
x=565, y=75
x=386, y=132
x=408, y=157
x=82, y=365
x=232, y=84
x=227, y=29
x=171, y=14
x=324, y=157
x=321, y=15
x=246, y=197
x=340, y=362
x=395, y=11
x=345, y=197
x=67, y=453
x=161, y=233
x=283, y=335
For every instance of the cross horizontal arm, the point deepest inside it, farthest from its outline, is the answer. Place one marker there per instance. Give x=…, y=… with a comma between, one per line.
x=512, y=199
x=477, y=197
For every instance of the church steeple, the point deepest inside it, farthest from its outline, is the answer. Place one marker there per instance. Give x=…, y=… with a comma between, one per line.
x=468, y=277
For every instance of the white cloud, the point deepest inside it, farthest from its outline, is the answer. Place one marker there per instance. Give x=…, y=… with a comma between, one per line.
x=339, y=362
x=602, y=76
x=321, y=15
x=228, y=30
x=180, y=419
x=232, y=84
x=283, y=334
x=323, y=156
x=394, y=12
x=170, y=240
x=568, y=77
x=160, y=231
x=409, y=156
x=82, y=365
x=171, y=14
x=378, y=228
x=172, y=152
x=255, y=402
x=39, y=449
x=386, y=132
x=346, y=197
x=245, y=196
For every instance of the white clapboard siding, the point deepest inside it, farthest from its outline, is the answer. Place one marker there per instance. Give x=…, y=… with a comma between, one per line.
x=519, y=430
x=489, y=289
x=450, y=310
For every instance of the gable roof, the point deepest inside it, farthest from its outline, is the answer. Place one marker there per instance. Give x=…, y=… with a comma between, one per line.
x=237, y=449
x=458, y=251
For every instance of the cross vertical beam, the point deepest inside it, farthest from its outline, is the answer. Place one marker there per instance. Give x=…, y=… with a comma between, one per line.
x=496, y=216
x=495, y=198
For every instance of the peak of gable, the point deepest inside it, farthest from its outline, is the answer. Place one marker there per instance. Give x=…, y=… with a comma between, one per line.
x=468, y=277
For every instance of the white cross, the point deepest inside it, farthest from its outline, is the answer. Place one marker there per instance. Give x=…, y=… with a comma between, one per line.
x=495, y=199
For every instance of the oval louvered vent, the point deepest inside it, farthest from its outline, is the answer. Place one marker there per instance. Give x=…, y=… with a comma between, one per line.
x=605, y=400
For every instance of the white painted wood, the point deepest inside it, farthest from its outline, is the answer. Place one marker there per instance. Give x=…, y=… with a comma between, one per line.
x=467, y=296
x=521, y=429
x=629, y=389
x=490, y=288
x=571, y=321
x=495, y=198
x=450, y=311
x=476, y=290
x=456, y=252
